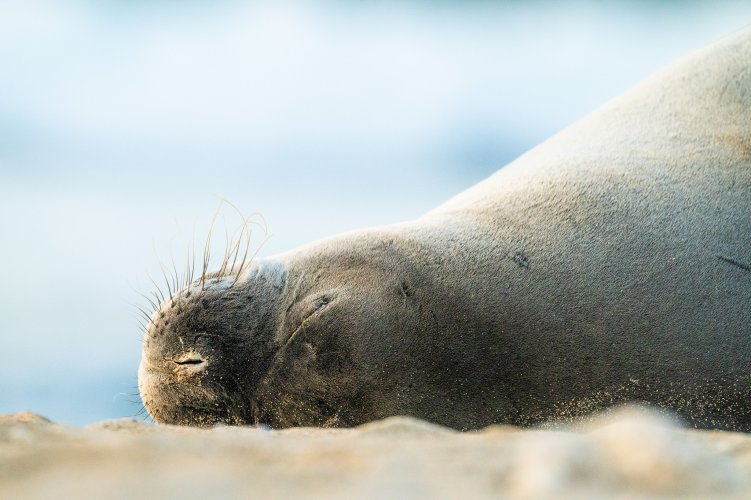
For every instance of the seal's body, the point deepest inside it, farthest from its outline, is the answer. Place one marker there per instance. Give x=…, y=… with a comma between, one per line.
x=612, y=263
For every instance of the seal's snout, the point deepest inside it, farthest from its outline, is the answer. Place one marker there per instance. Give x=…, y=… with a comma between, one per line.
x=195, y=339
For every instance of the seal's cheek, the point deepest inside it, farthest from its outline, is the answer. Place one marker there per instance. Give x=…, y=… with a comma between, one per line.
x=320, y=346
x=313, y=379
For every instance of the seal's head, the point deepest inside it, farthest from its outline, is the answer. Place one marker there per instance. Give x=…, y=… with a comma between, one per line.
x=320, y=336
x=205, y=347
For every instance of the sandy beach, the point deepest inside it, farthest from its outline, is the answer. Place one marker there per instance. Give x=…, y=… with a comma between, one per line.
x=631, y=453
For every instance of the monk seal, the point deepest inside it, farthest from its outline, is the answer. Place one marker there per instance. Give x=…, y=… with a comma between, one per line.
x=612, y=263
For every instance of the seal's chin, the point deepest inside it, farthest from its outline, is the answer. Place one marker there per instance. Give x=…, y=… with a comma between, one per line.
x=144, y=377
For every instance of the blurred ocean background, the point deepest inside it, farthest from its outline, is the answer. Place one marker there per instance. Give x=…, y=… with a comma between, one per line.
x=123, y=125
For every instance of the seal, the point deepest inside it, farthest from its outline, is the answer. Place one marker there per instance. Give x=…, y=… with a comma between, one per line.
x=610, y=264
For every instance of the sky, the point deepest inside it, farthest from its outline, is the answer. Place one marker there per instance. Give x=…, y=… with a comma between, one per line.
x=124, y=124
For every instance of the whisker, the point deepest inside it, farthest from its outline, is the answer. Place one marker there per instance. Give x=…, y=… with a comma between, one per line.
x=164, y=273
x=145, y=314
x=166, y=280
x=158, y=295
x=247, y=249
x=227, y=246
x=148, y=299
x=188, y=280
x=265, y=240
x=175, y=279
x=153, y=304
x=141, y=324
x=206, y=251
x=193, y=255
x=244, y=228
x=236, y=250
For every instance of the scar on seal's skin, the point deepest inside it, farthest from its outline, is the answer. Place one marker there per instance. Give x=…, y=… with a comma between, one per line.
x=734, y=262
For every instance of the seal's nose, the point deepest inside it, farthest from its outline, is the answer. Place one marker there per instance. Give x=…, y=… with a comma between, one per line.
x=190, y=363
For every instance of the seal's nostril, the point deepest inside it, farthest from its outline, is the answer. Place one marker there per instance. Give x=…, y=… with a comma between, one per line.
x=191, y=361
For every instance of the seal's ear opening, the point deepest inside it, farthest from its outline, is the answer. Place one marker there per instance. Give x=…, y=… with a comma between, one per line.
x=321, y=301
x=405, y=289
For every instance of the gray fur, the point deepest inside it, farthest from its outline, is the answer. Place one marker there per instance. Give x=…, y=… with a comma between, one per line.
x=612, y=263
